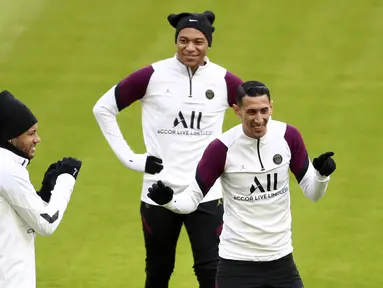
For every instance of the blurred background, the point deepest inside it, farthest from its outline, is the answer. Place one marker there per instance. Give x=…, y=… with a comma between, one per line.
x=322, y=62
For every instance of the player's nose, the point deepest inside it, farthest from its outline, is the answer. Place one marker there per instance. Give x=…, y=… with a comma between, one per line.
x=258, y=119
x=37, y=139
x=190, y=47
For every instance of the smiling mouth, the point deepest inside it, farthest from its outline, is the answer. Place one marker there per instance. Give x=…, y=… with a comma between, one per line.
x=191, y=56
x=258, y=127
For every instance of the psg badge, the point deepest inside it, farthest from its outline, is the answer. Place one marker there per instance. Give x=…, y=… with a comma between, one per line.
x=277, y=159
x=209, y=94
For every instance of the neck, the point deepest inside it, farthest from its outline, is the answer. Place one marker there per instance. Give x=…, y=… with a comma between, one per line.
x=193, y=69
x=252, y=136
x=13, y=149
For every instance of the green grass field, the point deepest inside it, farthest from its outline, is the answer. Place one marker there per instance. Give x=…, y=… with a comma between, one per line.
x=321, y=60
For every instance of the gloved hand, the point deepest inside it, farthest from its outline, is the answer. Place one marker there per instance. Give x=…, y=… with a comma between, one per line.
x=153, y=165
x=49, y=182
x=160, y=193
x=324, y=164
x=70, y=166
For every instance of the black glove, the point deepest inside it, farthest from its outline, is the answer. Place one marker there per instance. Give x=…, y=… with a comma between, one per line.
x=69, y=165
x=324, y=164
x=49, y=182
x=160, y=193
x=153, y=165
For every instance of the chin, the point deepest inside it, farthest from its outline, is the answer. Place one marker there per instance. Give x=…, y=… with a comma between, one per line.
x=259, y=134
x=192, y=63
x=31, y=155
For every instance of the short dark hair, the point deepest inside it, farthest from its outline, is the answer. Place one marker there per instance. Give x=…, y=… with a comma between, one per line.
x=251, y=89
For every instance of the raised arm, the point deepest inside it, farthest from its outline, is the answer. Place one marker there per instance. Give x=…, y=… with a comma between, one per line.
x=120, y=96
x=312, y=182
x=209, y=169
x=42, y=217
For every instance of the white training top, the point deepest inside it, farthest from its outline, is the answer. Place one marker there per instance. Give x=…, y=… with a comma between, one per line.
x=181, y=114
x=22, y=215
x=255, y=180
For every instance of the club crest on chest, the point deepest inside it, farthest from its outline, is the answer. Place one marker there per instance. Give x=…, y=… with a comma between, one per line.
x=277, y=159
x=209, y=94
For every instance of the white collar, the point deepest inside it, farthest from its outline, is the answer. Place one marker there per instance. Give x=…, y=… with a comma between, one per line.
x=16, y=158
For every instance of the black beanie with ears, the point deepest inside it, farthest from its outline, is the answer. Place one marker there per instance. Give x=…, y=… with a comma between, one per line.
x=202, y=22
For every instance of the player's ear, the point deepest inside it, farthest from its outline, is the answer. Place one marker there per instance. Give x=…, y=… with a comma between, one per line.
x=271, y=106
x=237, y=110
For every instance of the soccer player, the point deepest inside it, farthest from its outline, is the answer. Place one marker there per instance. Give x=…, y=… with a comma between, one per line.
x=184, y=99
x=253, y=161
x=23, y=212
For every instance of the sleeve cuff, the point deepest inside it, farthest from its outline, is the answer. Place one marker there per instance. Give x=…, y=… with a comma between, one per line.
x=320, y=177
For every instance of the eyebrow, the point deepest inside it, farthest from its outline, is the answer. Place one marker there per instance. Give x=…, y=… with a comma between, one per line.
x=187, y=38
x=256, y=109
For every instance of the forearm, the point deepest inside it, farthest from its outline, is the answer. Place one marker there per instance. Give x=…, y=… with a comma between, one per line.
x=40, y=216
x=314, y=185
x=209, y=169
x=53, y=213
x=185, y=202
x=105, y=112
